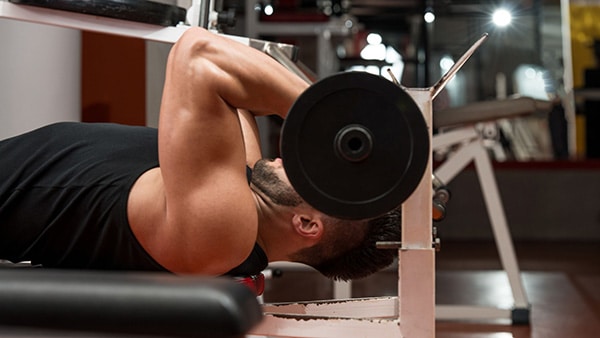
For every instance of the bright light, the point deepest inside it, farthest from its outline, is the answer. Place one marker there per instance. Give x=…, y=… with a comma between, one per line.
x=356, y=68
x=501, y=17
x=530, y=73
x=529, y=81
x=373, y=52
x=446, y=63
x=392, y=56
x=374, y=39
x=372, y=69
x=429, y=17
x=268, y=10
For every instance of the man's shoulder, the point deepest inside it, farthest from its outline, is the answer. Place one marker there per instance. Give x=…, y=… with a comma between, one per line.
x=216, y=235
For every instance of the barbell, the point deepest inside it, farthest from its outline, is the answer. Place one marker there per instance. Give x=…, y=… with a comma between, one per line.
x=354, y=145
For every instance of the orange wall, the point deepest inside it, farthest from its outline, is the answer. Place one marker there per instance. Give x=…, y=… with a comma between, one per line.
x=113, y=79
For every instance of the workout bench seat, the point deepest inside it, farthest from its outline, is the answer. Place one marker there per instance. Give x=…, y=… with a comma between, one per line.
x=129, y=303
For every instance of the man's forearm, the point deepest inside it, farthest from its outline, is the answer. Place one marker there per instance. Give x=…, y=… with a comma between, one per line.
x=249, y=79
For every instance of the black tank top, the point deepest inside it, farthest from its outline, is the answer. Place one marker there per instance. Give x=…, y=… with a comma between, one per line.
x=63, y=197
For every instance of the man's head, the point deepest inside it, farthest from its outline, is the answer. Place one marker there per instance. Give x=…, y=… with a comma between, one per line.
x=345, y=249
x=348, y=249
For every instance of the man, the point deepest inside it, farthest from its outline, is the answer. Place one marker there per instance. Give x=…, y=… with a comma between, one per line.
x=94, y=195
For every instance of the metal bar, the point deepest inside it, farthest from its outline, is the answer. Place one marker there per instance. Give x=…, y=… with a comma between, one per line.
x=342, y=289
x=569, y=95
x=277, y=53
x=416, y=291
x=497, y=217
x=416, y=258
x=289, y=51
x=477, y=313
x=475, y=151
x=300, y=28
x=453, y=137
x=307, y=326
x=376, y=307
x=205, y=9
x=437, y=88
x=416, y=210
x=459, y=160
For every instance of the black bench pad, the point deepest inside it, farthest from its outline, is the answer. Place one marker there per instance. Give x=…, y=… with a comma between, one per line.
x=156, y=304
x=150, y=12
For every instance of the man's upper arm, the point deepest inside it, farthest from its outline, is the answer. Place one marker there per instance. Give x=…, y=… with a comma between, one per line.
x=210, y=210
x=210, y=213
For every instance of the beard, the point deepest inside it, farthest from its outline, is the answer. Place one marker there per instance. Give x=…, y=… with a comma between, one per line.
x=266, y=180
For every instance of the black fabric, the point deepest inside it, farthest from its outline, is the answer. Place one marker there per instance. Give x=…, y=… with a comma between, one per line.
x=253, y=265
x=63, y=197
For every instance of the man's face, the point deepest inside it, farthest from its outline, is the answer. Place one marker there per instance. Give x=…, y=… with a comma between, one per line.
x=268, y=176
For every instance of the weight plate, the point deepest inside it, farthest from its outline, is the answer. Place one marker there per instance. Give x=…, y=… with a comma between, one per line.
x=151, y=12
x=354, y=145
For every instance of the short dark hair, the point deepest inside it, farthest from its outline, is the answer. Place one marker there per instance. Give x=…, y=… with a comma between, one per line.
x=349, y=250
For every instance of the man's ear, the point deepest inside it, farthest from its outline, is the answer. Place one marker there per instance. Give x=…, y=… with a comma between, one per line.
x=308, y=226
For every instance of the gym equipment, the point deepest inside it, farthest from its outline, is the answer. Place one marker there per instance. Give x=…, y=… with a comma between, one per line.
x=412, y=312
x=122, y=27
x=354, y=145
x=155, y=304
x=151, y=12
x=441, y=196
x=458, y=129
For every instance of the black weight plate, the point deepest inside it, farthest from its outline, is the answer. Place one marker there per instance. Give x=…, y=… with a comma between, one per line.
x=368, y=185
x=151, y=12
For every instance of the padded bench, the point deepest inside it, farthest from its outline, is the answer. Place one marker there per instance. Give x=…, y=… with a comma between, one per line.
x=489, y=110
x=155, y=304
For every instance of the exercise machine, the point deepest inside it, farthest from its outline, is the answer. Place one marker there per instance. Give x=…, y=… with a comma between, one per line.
x=398, y=130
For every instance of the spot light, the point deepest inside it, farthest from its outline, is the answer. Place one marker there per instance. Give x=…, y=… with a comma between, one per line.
x=429, y=17
x=446, y=63
x=374, y=39
x=375, y=49
x=501, y=17
x=268, y=10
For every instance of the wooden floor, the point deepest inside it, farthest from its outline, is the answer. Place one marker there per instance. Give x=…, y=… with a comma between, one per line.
x=562, y=284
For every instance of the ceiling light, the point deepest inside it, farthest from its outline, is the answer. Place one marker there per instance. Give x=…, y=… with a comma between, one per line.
x=268, y=10
x=501, y=17
x=374, y=39
x=429, y=17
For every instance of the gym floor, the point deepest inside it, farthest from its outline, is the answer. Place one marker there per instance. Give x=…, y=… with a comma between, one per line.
x=562, y=283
